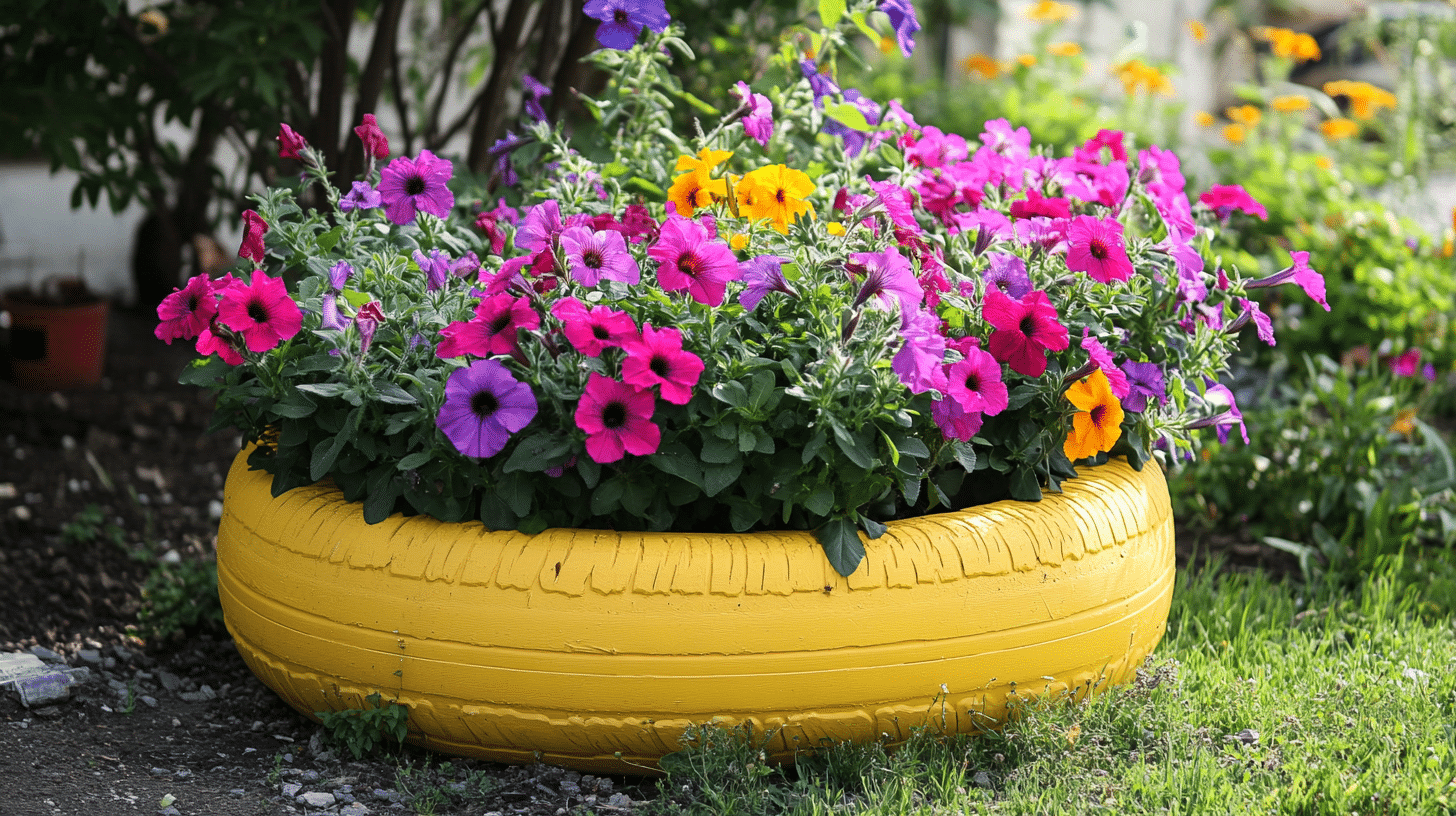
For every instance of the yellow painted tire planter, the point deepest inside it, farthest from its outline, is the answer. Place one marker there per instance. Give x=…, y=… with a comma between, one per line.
x=596, y=649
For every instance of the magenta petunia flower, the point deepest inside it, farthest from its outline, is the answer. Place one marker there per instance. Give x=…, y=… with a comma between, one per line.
x=493, y=329
x=920, y=360
x=758, y=120
x=1036, y=204
x=210, y=343
x=1219, y=396
x=889, y=279
x=902, y=19
x=366, y=321
x=623, y=20
x=290, y=144
x=657, y=358
x=1312, y=282
x=409, y=186
x=484, y=405
x=540, y=227
x=1099, y=355
x=373, y=138
x=1263, y=324
x=1094, y=246
x=617, y=419
x=1223, y=199
x=253, y=228
x=975, y=383
x=261, y=311
x=954, y=421
x=1026, y=330
x=188, y=311
x=360, y=197
x=690, y=258
x=593, y=330
x=594, y=255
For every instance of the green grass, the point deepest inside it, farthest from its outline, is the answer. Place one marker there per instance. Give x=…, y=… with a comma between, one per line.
x=1263, y=698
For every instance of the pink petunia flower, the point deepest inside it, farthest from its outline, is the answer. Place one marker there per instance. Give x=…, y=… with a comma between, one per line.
x=210, y=343
x=617, y=419
x=1223, y=199
x=594, y=255
x=920, y=360
x=290, y=144
x=188, y=311
x=758, y=121
x=657, y=358
x=763, y=274
x=1100, y=356
x=1312, y=282
x=1026, y=330
x=492, y=330
x=591, y=331
x=975, y=383
x=261, y=311
x=689, y=258
x=375, y=144
x=410, y=186
x=253, y=229
x=366, y=321
x=1095, y=246
x=954, y=421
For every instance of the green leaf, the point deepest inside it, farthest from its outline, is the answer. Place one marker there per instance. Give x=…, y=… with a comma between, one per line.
x=848, y=115
x=731, y=392
x=812, y=448
x=295, y=406
x=841, y=543
x=415, y=460
x=204, y=372
x=391, y=393
x=830, y=11
x=379, y=503
x=854, y=446
x=329, y=389
x=720, y=451
x=1024, y=485
x=515, y=491
x=680, y=462
x=607, y=496
x=965, y=455
x=872, y=528
x=718, y=477
x=328, y=240
x=538, y=452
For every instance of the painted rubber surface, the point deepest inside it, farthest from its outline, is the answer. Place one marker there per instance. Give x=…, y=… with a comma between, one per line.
x=595, y=649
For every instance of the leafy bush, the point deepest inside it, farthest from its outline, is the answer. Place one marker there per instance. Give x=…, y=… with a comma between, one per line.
x=1340, y=470
x=365, y=730
x=180, y=599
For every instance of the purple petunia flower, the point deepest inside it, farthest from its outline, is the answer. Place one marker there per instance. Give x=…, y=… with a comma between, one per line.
x=410, y=186
x=436, y=266
x=888, y=278
x=541, y=226
x=1007, y=273
x=484, y=405
x=854, y=140
x=360, y=197
x=623, y=20
x=902, y=19
x=920, y=361
x=763, y=274
x=1145, y=381
x=535, y=92
x=758, y=120
x=819, y=83
x=339, y=275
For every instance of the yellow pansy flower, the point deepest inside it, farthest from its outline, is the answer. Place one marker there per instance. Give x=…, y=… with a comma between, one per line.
x=1203, y=119
x=696, y=188
x=1246, y=115
x=777, y=193
x=1027, y=60
x=1198, y=30
x=1234, y=133
x=1288, y=44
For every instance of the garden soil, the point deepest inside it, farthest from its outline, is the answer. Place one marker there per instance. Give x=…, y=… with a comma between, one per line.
x=99, y=489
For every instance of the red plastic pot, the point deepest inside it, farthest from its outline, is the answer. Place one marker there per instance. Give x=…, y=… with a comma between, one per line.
x=57, y=342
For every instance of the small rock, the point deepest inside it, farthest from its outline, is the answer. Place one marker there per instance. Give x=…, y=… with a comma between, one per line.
x=981, y=779
x=354, y=809
x=47, y=655
x=49, y=712
x=619, y=800
x=309, y=776
x=317, y=799
x=238, y=793
x=170, y=681
x=169, y=811
x=151, y=702
x=257, y=725
x=171, y=557
x=121, y=653
x=291, y=789
x=160, y=772
x=202, y=695
x=214, y=510
x=91, y=656
x=183, y=773
x=1248, y=736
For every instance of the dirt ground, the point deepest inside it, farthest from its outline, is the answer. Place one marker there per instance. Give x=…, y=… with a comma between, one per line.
x=98, y=486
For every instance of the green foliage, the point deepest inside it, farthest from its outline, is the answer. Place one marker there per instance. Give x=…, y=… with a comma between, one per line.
x=180, y=599
x=427, y=788
x=1340, y=469
x=90, y=525
x=365, y=730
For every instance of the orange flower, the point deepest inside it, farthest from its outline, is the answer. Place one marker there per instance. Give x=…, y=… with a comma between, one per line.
x=1097, y=425
x=1405, y=422
x=1234, y=133
x=1336, y=129
x=1289, y=44
x=1135, y=74
x=1290, y=103
x=981, y=64
x=1064, y=49
x=1324, y=163
x=1047, y=11
x=1203, y=119
x=1198, y=30
x=1027, y=60
x=1246, y=115
x=697, y=188
x=777, y=193
x=1365, y=99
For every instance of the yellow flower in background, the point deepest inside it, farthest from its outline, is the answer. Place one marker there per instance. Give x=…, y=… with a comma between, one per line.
x=1324, y=163
x=1290, y=103
x=1448, y=248
x=1289, y=44
x=1046, y=11
x=697, y=188
x=1203, y=119
x=1246, y=115
x=1405, y=422
x=1336, y=129
x=1136, y=74
x=1365, y=99
x=1097, y=425
x=1198, y=30
x=1027, y=60
x=739, y=241
x=1234, y=133
x=1064, y=49
x=834, y=228
x=888, y=44
x=777, y=193
x=981, y=64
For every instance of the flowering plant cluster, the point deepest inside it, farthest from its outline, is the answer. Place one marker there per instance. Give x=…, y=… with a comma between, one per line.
x=818, y=314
